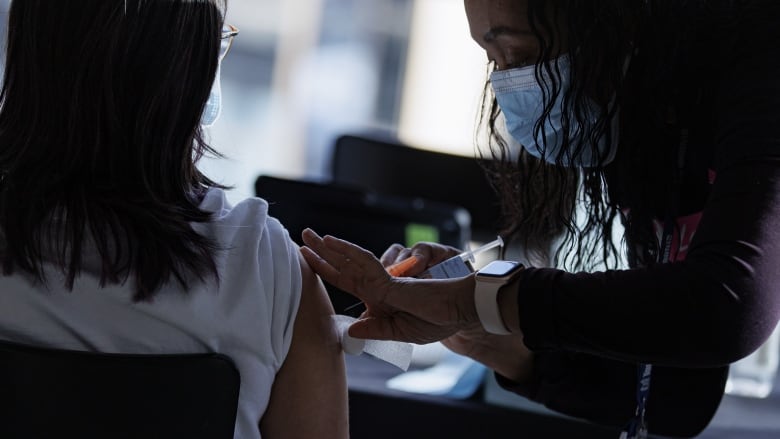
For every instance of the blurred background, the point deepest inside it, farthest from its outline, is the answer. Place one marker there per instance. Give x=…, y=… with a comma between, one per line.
x=304, y=71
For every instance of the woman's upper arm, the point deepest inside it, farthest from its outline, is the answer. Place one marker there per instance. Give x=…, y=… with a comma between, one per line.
x=309, y=396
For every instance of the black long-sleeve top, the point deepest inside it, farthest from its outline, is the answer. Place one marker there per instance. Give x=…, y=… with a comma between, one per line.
x=716, y=302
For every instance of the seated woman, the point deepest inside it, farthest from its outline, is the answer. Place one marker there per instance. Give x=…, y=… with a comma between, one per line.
x=111, y=240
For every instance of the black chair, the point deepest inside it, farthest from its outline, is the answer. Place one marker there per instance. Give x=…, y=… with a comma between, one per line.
x=383, y=164
x=55, y=393
x=368, y=219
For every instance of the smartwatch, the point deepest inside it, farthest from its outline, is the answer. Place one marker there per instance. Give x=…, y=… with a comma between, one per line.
x=489, y=280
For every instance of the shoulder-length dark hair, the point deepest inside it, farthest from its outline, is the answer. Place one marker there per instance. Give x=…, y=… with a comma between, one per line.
x=566, y=215
x=99, y=137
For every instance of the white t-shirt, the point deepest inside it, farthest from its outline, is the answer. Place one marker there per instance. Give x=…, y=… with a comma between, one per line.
x=249, y=316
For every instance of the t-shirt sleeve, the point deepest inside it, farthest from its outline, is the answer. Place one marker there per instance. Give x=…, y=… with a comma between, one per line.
x=287, y=283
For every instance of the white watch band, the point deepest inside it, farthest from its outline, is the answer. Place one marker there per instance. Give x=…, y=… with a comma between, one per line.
x=486, y=302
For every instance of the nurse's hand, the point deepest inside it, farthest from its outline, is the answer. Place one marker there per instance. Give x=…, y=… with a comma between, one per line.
x=397, y=308
x=505, y=354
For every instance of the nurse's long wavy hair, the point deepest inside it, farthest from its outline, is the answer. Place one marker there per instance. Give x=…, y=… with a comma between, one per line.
x=567, y=216
x=99, y=138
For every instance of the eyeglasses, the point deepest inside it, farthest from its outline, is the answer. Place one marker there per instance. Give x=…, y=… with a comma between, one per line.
x=228, y=33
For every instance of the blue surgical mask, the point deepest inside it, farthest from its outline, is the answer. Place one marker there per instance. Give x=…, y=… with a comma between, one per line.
x=521, y=99
x=213, y=106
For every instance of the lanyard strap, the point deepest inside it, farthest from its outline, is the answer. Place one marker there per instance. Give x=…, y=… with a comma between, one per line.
x=637, y=427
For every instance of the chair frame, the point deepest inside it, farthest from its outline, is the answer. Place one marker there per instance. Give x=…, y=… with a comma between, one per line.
x=48, y=392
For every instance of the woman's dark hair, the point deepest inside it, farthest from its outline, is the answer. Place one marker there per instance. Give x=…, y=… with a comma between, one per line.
x=100, y=135
x=576, y=208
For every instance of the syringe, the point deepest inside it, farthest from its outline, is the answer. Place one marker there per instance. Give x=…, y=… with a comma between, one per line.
x=402, y=267
x=456, y=266
x=468, y=255
x=459, y=265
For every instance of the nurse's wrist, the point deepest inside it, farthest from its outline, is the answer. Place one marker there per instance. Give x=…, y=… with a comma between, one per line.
x=508, y=306
x=466, y=306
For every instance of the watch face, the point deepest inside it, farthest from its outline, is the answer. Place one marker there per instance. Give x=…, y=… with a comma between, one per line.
x=499, y=268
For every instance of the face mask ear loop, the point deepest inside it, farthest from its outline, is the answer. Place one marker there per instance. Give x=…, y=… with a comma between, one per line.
x=213, y=107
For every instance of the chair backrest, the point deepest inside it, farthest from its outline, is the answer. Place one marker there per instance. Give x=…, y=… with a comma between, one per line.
x=370, y=220
x=385, y=165
x=48, y=393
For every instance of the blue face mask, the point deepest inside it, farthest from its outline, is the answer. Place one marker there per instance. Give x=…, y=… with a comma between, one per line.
x=521, y=100
x=213, y=106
